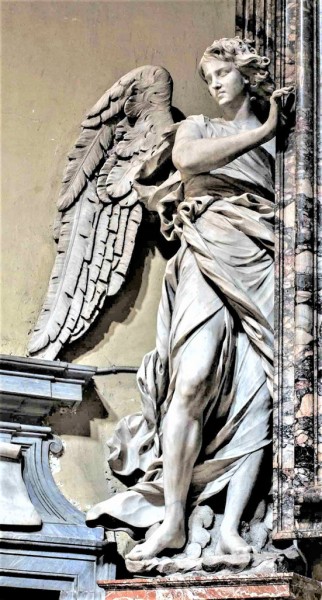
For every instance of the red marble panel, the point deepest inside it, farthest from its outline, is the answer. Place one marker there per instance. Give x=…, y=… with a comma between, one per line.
x=280, y=586
x=131, y=595
x=202, y=593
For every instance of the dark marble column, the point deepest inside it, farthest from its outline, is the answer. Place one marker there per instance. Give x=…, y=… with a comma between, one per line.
x=297, y=432
x=307, y=456
x=289, y=31
x=255, y=20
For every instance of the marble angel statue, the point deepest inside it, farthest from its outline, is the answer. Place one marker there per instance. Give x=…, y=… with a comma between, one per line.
x=206, y=388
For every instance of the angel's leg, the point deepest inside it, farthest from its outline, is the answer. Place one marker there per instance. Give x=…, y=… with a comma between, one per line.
x=182, y=434
x=241, y=485
x=238, y=494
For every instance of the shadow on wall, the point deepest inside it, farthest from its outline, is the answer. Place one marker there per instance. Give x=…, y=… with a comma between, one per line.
x=58, y=58
x=119, y=308
x=68, y=421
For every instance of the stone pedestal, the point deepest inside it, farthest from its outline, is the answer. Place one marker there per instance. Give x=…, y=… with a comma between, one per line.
x=45, y=543
x=279, y=586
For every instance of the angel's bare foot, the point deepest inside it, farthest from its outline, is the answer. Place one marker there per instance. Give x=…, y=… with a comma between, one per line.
x=230, y=542
x=168, y=536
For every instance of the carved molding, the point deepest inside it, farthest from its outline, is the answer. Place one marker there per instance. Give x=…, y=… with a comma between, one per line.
x=61, y=522
x=31, y=388
x=59, y=552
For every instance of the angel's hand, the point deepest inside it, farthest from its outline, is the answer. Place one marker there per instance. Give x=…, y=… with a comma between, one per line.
x=275, y=109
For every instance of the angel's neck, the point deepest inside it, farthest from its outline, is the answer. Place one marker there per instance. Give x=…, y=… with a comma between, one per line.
x=239, y=112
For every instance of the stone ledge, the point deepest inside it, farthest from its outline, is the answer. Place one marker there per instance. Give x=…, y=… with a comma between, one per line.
x=32, y=388
x=279, y=586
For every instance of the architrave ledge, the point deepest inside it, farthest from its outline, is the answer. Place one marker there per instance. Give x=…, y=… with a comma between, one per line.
x=31, y=388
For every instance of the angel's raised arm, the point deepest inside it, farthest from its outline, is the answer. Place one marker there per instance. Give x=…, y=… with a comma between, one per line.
x=193, y=154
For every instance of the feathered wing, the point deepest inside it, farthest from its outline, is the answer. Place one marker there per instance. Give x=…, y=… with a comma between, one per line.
x=99, y=209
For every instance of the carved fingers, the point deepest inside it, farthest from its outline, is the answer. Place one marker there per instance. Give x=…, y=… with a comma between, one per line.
x=284, y=91
x=275, y=109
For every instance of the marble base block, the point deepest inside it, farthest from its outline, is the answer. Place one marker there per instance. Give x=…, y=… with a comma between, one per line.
x=286, y=586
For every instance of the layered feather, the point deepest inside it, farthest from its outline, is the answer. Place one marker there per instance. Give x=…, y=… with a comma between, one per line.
x=88, y=153
x=76, y=227
x=99, y=207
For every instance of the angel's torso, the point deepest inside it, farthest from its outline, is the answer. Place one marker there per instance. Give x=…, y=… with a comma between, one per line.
x=255, y=167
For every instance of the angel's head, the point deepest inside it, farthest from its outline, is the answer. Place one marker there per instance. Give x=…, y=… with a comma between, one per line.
x=232, y=69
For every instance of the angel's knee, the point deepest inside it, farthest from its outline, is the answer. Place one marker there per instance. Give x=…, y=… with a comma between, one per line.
x=190, y=393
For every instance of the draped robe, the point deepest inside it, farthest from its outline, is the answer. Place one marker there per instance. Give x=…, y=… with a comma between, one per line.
x=224, y=266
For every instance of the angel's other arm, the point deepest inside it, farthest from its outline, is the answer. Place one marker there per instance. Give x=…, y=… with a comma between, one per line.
x=193, y=154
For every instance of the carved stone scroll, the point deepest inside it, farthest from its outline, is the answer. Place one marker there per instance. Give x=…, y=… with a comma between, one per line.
x=16, y=508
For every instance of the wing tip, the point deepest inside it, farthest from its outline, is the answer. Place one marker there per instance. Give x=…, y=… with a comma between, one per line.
x=42, y=349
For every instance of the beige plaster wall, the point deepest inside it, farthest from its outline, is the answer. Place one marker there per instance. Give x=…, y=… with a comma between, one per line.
x=57, y=59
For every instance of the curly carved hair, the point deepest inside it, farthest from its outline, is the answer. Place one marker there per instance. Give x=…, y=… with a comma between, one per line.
x=250, y=64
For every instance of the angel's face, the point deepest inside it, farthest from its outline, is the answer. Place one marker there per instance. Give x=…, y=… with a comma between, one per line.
x=225, y=83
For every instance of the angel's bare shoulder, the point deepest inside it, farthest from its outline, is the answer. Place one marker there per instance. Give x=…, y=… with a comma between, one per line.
x=199, y=126
x=191, y=128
